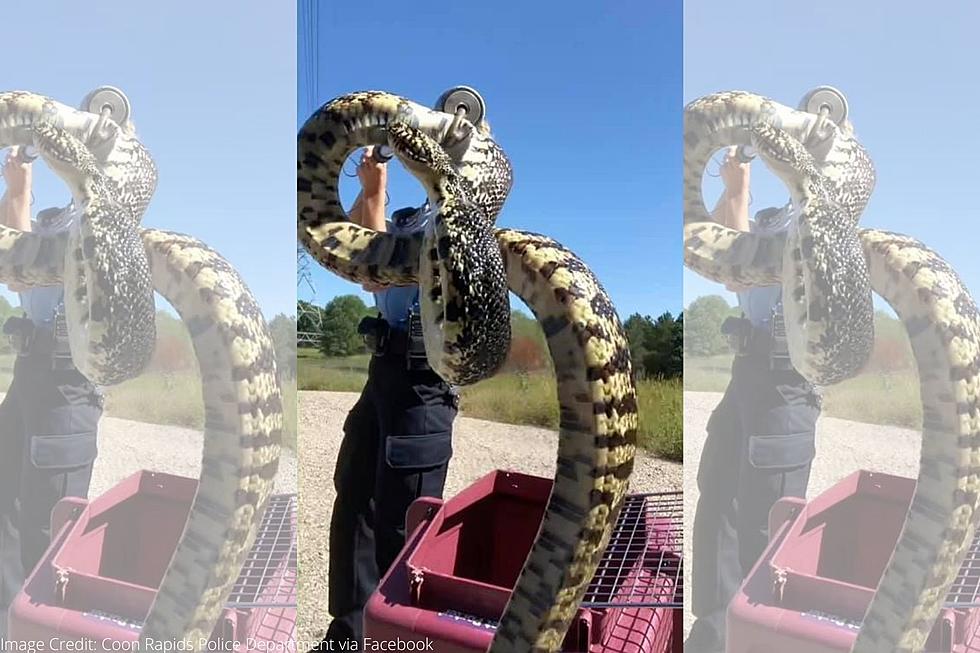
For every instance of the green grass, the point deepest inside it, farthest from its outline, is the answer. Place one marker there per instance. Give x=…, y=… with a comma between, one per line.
x=872, y=397
x=707, y=374
x=316, y=372
x=661, y=429
x=171, y=399
x=6, y=369
x=140, y=399
x=525, y=399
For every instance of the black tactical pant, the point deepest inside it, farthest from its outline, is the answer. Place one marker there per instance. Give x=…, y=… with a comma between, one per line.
x=759, y=448
x=48, y=425
x=396, y=448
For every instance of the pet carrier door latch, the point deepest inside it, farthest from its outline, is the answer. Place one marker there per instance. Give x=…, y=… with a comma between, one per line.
x=61, y=577
x=779, y=577
x=416, y=577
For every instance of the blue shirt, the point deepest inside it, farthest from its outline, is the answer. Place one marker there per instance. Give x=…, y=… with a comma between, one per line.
x=397, y=302
x=757, y=303
x=41, y=303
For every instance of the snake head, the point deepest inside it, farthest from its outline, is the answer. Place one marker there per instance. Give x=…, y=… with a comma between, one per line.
x=65, y=154
x=419, y=153
x=785, y=155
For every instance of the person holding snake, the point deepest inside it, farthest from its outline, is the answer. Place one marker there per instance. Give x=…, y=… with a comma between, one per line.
x=49, y=417
x=760, y=441
x=397, y=438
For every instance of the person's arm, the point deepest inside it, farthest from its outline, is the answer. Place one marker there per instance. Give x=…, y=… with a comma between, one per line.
x=732, y=209
x=17, y=198
x=15, y=206
x=369, y=207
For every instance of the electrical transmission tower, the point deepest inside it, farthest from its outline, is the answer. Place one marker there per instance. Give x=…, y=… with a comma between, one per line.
x=309, y=319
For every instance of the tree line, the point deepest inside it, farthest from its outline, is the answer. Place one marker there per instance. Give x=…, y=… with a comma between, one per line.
x=702, y=335
x=656, y=345
x=174, y=351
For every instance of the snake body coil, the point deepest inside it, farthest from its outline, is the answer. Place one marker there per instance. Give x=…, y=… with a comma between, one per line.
x=822, y=298
x=592, y=363
x=834, y=179
x=243, y=404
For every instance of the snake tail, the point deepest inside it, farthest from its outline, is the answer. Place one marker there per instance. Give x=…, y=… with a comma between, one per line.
x=242, y=434
x=597, y=438
x=941, y=319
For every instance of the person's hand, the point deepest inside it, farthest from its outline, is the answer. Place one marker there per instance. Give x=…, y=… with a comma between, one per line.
x=373, y=175
x=735, y=174
x=16, y=173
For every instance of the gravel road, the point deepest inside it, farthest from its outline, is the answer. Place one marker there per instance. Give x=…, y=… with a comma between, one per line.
x=126, y=446
x=479, y=447
x=843, y=447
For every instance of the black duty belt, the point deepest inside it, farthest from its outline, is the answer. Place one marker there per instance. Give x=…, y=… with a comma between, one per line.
x=29, y=341
x=750, y=341
x=381, y=339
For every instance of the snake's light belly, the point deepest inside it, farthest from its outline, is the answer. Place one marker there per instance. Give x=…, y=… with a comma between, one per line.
x=826, y=289
x=462, y=287
x=108, y=290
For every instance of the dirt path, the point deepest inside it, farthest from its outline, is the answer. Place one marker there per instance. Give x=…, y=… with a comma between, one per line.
x=842, y=448
x=479, y=447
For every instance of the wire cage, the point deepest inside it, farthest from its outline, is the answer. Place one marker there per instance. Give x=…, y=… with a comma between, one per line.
x=642, y=565
x=268, y=576
x=965, y=591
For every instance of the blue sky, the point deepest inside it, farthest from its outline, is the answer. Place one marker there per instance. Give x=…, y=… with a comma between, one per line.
x=212, y=86
x=909, y=73
x=585, y=101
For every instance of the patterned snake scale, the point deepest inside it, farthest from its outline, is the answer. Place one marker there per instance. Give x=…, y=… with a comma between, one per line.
x=596, y=389
x=935, y=307
x=826, y=293
x=242, y=399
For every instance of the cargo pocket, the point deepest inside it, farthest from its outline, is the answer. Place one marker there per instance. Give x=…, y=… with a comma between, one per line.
x=782, y=452
x=60, y=452
x=421, y=461
x=416, y=452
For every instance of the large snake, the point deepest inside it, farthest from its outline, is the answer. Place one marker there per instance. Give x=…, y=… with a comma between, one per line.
x=828, y=178
x=112, y=179
x=826, y=293
x=470, y=179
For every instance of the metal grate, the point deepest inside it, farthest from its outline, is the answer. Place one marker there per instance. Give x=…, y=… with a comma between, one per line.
x=268, y=576
x=965, y=591
x=642, y=566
